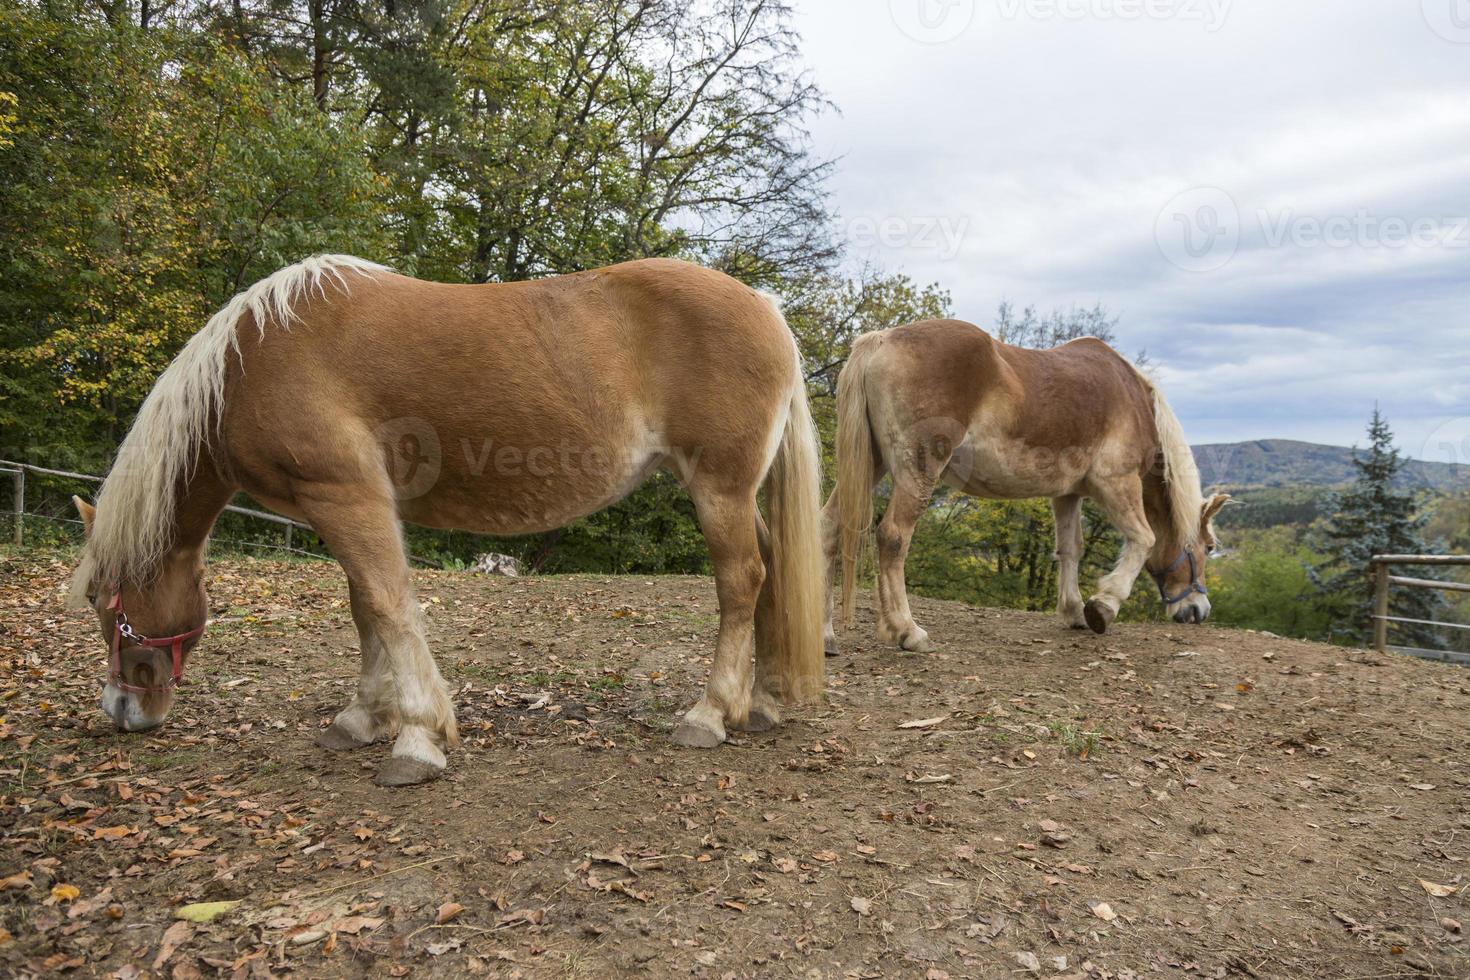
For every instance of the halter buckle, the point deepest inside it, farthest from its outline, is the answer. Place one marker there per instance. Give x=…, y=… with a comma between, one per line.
x=121, y=629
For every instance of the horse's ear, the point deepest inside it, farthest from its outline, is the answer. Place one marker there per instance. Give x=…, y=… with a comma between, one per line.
x=87, y=511
x=1212, y=507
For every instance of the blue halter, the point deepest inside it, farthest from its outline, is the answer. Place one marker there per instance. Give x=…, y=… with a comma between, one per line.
x=1194, y=583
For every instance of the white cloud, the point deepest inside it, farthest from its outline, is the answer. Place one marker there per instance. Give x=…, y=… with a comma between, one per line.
x=1056, y=142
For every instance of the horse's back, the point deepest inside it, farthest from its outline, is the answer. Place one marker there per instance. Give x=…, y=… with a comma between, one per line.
x=1022, y=422
x=600, y=375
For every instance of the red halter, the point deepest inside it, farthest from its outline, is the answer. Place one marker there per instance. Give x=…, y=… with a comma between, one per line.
x=121, y=628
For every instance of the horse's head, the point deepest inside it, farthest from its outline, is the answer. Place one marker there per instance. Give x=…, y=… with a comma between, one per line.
x=1182, y=583
x=149, y=630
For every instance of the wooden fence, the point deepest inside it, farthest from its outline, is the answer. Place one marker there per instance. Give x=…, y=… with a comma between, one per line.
x=1384, y=579
x=18, y=471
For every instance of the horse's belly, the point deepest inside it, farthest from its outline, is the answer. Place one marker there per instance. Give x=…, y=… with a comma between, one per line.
x=1009, y=469
x=509, y=489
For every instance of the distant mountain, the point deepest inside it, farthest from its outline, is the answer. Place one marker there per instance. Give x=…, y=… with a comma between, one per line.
x=1288, y=463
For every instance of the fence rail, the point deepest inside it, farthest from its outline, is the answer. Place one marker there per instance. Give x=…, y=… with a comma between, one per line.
x=19, y=513
x=1380, y=567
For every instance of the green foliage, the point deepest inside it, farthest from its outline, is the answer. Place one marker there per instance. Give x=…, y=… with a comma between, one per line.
x=1265, y=582
x=150, y=176
x=1373, y=517
x=1265, y=507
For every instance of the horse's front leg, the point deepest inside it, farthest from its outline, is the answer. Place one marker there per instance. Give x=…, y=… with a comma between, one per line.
x=729, y=525
x=1123, y=502
x=369, y=716
x=403, y=685
x=1068, y=513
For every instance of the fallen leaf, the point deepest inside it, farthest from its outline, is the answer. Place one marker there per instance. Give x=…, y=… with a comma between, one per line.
x=174, y=937
x=1103, y=911
x=97, y=901
x=21, y=879
x=924, y=722
x=447, y=911
x=784, y=865
x=204, y=911
x=1028, y=962
x=532, y=917
x=1438, y=891
x=354, y=924
x=862, y=906
x=111, y=833
x=1423, y=787
x=65, y=893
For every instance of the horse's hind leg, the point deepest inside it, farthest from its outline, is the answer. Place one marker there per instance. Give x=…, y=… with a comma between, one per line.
x=765, y=706
x=1068, y=513
x=362, y=530
x=831, y=542
x=729, y=524
x=895, y=532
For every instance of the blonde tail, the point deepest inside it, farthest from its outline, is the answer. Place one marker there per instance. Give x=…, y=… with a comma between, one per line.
x=793, y=499
x=854, y=466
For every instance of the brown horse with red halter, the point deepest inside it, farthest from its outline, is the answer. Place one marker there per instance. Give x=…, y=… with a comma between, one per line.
x=341, y=394
x=943, y=401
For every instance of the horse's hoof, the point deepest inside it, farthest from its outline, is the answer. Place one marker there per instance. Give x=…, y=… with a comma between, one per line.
x=1098, y=616
x=916, y=640
x=693, y=736
x=829, y=646
x=400, y=770
x=335, y=738
x=759, y=721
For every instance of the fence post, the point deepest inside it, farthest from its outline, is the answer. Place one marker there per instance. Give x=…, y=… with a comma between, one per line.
x=20, y=507
x=289, y=529
x=1380, y=607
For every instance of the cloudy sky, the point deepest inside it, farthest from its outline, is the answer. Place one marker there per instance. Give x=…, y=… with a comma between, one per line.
x=1273, y=196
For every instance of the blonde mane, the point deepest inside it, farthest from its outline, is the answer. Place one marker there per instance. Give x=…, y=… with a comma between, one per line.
x=134, y=525
x=1181, y=474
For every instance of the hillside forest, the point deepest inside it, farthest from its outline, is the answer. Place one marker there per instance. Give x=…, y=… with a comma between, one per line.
x=156, y=156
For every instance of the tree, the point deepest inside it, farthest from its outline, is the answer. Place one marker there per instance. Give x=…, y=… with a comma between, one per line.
x=152, y=174
x=1370, y=518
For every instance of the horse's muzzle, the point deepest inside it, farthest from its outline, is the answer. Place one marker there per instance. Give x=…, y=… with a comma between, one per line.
x=1192, y=613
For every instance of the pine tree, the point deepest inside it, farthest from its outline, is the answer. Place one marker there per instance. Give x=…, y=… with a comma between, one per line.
x=1373, y=517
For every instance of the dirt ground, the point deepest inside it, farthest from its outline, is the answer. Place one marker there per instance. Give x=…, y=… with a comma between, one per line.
x=1028, y=800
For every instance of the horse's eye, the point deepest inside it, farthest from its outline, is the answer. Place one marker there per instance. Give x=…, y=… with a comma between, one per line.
x=92, y=599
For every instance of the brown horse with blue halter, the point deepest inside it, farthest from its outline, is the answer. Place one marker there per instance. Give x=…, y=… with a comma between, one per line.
x=943, y=401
